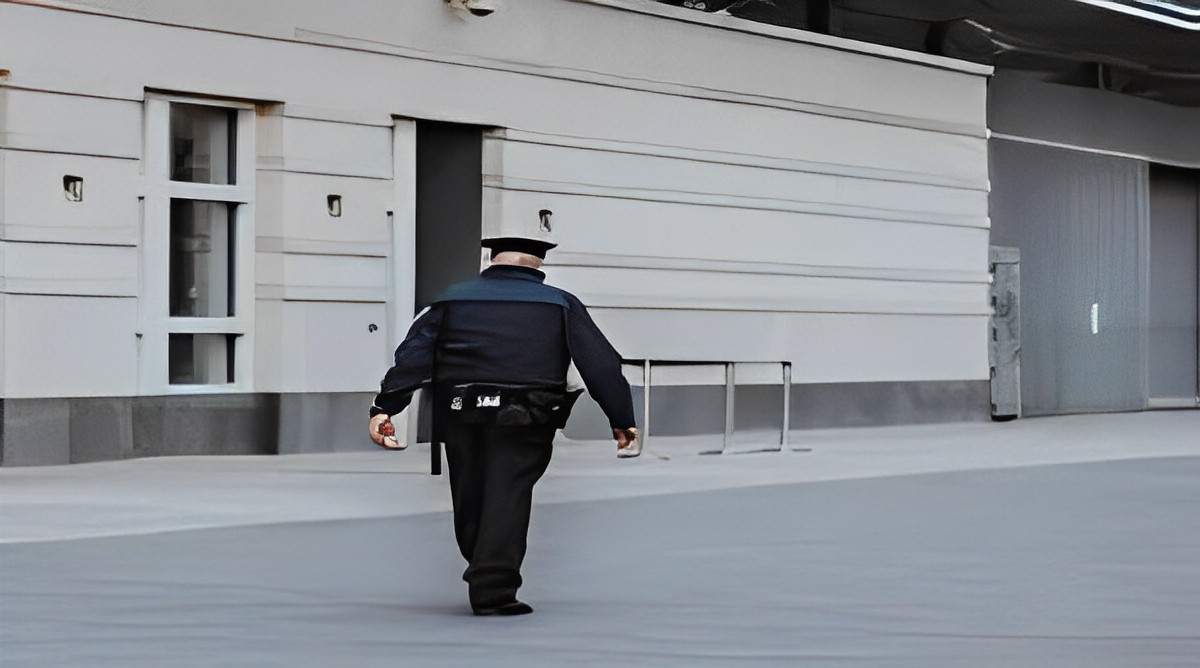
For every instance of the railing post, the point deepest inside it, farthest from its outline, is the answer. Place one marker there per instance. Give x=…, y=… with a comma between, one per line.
x=787, y=408
x=729, y=406
x=645, y=433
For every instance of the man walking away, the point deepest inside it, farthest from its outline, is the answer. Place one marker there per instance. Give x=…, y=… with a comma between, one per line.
x=495, y=351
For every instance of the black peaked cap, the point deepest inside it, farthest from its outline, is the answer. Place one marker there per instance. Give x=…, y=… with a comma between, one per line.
x=518, y=245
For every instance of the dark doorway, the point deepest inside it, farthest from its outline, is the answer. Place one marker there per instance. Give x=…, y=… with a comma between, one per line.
x=449, y=206
x=1174, y=244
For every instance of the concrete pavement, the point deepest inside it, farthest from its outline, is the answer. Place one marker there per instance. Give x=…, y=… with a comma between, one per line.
x=179, y=493
x=1044, y=542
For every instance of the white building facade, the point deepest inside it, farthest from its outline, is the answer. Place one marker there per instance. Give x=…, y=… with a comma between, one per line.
x=217, y=219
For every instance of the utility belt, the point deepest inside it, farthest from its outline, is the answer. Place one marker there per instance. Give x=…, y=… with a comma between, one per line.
x=508, y=405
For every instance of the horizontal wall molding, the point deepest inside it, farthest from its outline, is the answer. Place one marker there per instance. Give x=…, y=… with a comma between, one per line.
x=70, y=236
x=707, y=291
x=700, y=304
x=286, y=166
x=31, y=89
x=736, y=159
x=637, y=305
x=1193, y=164
x=630, y=83
x=317, y=293
x=726, y=22
x=91, y=289
x=612, y=261
x=294, y=246
x=579, y=75
x=331, y=115
x=16, y=149
x=293, y=111
x=667, y=12
x=734, y=202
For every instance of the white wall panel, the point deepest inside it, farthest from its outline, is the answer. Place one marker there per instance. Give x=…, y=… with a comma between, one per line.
x=868, y=348
x=70, y=347
x=292, y=214
x=666, y=52
x=3, y=338
x=322, y=147
x=63, y=269
x=380, y=85
x=644, y=228
x=328, y=347
x=3, y=162
x=333, y=278
x=823, y=347
x=745, y=373
x=268, y=349
x=268, y=275
x=707, y=290
x=719, y=179
x=39, y=121
x=37, y=209
x=846, y=202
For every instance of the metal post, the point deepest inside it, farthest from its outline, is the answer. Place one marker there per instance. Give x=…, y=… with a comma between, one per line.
x=787, y=407
x=645, y=432
x=729, y=405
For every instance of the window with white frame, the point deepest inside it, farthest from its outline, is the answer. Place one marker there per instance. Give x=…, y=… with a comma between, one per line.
x=197, y=300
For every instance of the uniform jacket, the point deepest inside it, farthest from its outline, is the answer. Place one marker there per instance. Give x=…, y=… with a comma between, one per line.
x=506, y=327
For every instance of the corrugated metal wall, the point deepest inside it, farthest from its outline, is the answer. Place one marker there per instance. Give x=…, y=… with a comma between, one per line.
x=1081, y=221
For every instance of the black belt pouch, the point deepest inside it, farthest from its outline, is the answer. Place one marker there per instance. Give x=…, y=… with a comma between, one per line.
x=509, y=405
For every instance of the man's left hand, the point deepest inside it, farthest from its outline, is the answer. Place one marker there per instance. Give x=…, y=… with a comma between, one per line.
x=383, y=432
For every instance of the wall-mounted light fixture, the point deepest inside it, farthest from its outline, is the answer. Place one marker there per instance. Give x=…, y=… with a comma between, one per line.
x=544, y=221
x=4, y=74
x=334, y=202
x=474, y=7
x=73, y=188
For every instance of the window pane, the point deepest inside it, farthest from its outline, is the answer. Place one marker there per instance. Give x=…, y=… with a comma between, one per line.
x=202, y=259
x=203, y=144
x=201, y=359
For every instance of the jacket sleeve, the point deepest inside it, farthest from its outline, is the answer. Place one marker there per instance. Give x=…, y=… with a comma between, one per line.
x=599, y=365
x=413, y=366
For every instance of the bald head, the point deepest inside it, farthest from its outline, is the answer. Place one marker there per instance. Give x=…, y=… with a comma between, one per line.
x=518, y=259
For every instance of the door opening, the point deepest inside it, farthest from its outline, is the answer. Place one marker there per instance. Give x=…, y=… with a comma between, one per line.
x=1174, y=287
x=449, y=206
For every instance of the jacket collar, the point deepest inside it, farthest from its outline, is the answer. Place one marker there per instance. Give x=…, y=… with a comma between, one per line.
x=514, y=272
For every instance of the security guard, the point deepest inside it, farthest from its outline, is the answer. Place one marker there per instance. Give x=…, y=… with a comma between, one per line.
x=495, y=351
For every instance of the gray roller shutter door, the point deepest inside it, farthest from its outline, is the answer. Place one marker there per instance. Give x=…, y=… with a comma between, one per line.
x=1080, y=221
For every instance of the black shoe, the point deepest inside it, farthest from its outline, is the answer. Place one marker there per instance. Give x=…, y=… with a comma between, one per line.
x=506, y=610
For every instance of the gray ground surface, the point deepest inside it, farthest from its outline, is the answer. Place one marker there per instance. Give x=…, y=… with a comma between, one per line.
x=822, y=559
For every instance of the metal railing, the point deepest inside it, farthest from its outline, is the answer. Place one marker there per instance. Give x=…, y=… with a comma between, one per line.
x=647, y=367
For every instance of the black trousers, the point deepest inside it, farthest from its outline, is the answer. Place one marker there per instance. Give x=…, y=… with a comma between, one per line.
x=492, y=473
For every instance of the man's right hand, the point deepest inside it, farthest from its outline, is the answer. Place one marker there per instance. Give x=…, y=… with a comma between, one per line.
x=627, y=442
x=383, y=432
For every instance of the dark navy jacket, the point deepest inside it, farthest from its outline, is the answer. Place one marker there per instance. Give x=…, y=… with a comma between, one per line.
x=507, y=327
